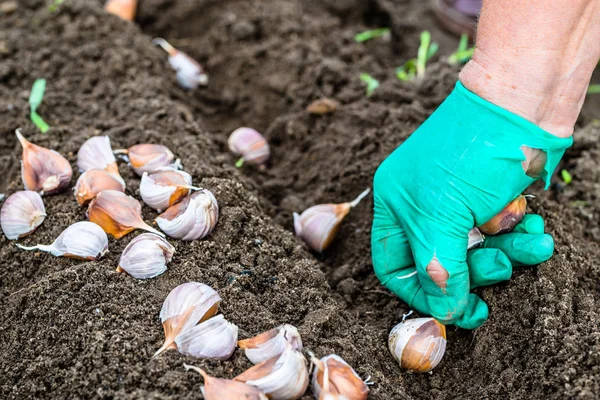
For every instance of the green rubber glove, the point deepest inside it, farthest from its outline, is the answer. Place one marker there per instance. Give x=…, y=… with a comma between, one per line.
x=458, y=170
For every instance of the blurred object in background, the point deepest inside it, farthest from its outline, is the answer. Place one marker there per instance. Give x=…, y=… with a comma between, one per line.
x=458, y=16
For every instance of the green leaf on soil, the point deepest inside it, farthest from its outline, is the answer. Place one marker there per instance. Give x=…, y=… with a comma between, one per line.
x=35, y=99
x=593, y=89
x=371, y=34
x=463, y=43
x=370, y=82
x=577, y=203
x=566, y=176
x=55, y=5
x=415, y=67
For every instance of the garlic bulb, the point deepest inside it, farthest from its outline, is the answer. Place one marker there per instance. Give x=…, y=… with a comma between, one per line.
x=118, y=214
x=146, y=256
x=318, y=225
x=191, y=219
x=214, y=338
x=418, y=344
x=334, y=378
x=124, y=9
x=281, y=378
x=271, y=343
x=475, y=238
x=250, y=144
x=507, y=219
x=219, y=389
x=93, y=181
x=148, y=157
x=82, y=240
x=165, y=187
x=187, y=305
x=21, y=214
x=190, y=73
x=43, y=170
x=96, y=153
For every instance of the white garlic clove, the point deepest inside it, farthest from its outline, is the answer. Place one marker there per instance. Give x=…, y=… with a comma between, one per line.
x=191, y=219
x=43, y=170
x=96, y=153
x=271, y=343
x=334, y=377
x=165, y=187
x=250, y=144
x=319, y=224
x=280, y=378
x=187, y=305
x=83, y=240
x=214, y=338
x=149, y=157
x=146, y=256
x=190, y=73
x=418, y=344
x=124, y=9
x=475, y=238
x=21, y=214
x=219, y=389
x=94, y=181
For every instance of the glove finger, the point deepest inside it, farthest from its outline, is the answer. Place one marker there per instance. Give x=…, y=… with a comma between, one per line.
x=531, y=223
x=488, y=267
x=522, y=248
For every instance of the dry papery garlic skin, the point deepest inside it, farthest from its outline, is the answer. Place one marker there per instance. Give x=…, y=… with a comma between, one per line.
x=193, y=218
x=83, y=240
x=507, y=219
x=271, y=343
x=149, y=157
x=214, y=338
x=249, y=144
x=22, y=213
x=418, y=344
x=94, y=181
x=165, y=187
x=43, y=170
x=281, y=378
x=334, y=378
x=319, y=224
x=187, y=305
x=97, y=153
x=220, y=389
x=146, y=256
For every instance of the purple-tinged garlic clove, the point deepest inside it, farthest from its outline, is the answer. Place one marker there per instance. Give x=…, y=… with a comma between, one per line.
x=191, y=219
x=214, y=338
x=418, y=344
x=94, y=181
x=475, y=238
x=190, y=73
x=83, y=240
x=22, y=213
x=97, y=153
x=146, y=256
x=271, y=343
x=149, y=157
x=219, y=389
x=165, y=187
x=249, y=144
x=333, y=378
x=507, y=219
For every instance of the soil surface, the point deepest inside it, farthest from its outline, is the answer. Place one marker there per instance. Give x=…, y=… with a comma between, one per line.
x=73, y=329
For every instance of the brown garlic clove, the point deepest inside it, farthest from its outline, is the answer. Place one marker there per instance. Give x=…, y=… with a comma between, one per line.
x=43, y=170
x=165, y=187
x=97, y=153
x=118, y=214
x=507, y=219
x=149, y=157
x=22, y=213
x=220, y=389
x=333, y=378
x=94, y=181
x=418, y=344
x=319, y=224
x=322, y=106
x=271, y=343
x=124, y=9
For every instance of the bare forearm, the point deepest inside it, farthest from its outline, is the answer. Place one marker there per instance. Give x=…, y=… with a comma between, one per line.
x=535, y=58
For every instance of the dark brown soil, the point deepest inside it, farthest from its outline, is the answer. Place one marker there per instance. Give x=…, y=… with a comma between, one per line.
x=76, y=329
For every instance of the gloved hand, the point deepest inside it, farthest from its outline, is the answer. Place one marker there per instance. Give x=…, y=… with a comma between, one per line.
x=459, y=169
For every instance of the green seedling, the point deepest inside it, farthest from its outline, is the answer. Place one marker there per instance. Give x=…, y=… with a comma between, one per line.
x=593, y=89
x=566, y=176
x=35, y=99
x=415, y=67
x=371, y=34
x=579, y=203
x=463, y=53
x=370, y=82
x=55, y=5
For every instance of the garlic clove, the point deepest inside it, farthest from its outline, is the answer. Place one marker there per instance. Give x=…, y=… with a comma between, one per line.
x=219, y=389
x=250, y=144
x=418, y=344
x=333, y=376
x=191, y=219
x=322, y=106
x=96, y=153
x=94, y=181
x=22, y=213
x=281, y=378
x=319, y=224
x=475, y=238
x=148, y=157
x=186, y=305
x=118, y=214
x=271, y=343
x=165, y=187
x=507, y=219
x=124, y=9
x=190, y=73
x=83, y=240
x=43, y=170
x=146, y=256
x=214, y=338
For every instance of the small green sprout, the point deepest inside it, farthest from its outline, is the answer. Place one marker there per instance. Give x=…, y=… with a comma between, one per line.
x=370, y=82
x=593, y=89
x=463, y=53
x=415, y=67
x=35, y=99
x=239, y=162
x=579, y=203
x=55, y=5
x=566, y=176
x=371, y=34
